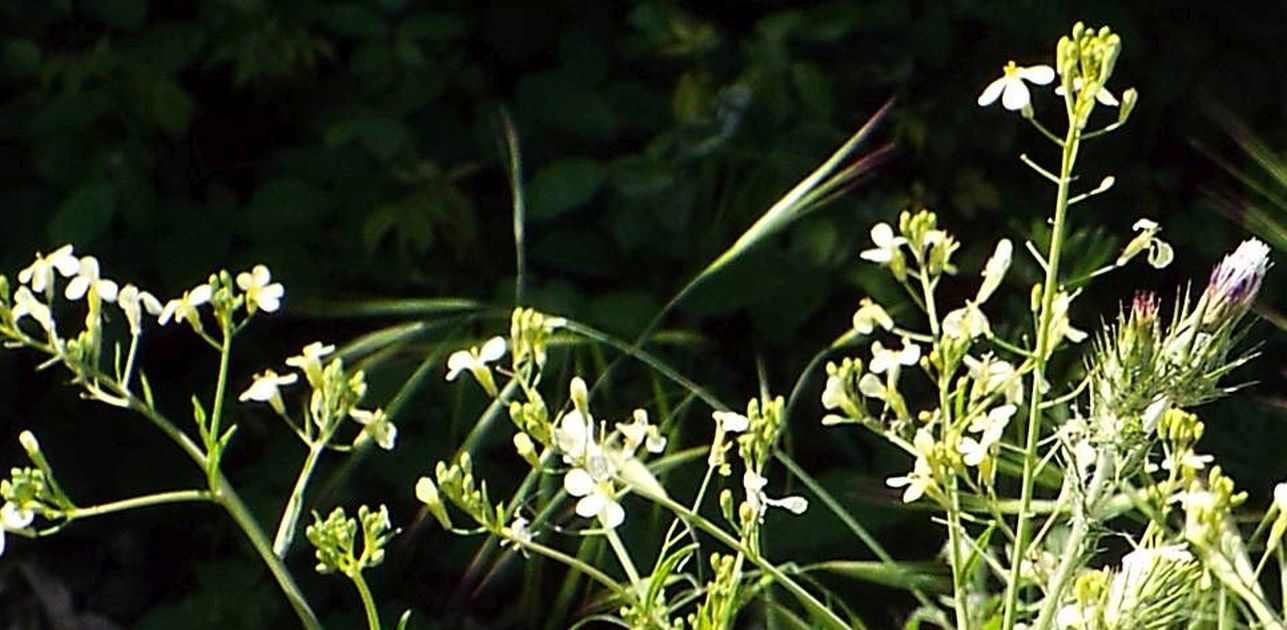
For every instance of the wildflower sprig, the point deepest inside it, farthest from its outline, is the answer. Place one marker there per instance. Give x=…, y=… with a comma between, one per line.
x=1121, y=437
x=102, y=358
x=334, y=540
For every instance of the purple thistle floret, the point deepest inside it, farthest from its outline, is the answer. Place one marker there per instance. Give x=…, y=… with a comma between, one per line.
x=1236, y=280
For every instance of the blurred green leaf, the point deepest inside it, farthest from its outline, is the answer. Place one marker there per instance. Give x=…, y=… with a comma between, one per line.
x=562, y=186
x=21, y=58
x=351, y=19
x=85, y=214
x=432, y=25
x=126, y=14
x=172, y=108
x=382, y=136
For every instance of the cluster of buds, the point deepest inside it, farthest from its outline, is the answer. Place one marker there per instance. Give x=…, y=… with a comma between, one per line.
x=720, y=605
x=456, y=483
x=1085, y=62
x=335, y=540
x=530, y=332
x=918, y=234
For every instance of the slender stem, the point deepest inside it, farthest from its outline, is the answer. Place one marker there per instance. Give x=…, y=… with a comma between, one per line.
x=1042, y=355
x=1105, y=469
x=368, y=602
x=175, y=496
x=227, y=496
x=295, y=503
x=225, y=352
x=576, y=564
x=820, y=610
x=623, y=556
x=129, y=362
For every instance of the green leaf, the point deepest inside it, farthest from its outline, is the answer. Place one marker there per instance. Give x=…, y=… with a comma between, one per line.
x=433, y=26
x=21, y=58
x=562, y=186
x=351, y=20
x=284, y=208
x=171, y=107
x=381, y=135
x=126, y=14
x=85, y=215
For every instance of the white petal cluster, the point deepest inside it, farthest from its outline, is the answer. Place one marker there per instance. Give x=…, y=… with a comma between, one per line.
x=261, y=292
x=1010, y=87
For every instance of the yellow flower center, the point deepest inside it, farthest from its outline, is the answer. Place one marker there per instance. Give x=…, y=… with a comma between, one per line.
x=1010, y=70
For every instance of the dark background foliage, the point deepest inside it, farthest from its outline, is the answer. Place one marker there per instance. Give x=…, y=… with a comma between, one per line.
x=356, y=148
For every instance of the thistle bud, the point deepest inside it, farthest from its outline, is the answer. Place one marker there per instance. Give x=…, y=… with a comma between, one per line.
x=1234, y=283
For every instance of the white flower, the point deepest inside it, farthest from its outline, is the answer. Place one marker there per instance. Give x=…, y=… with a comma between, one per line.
x=992, y=374
x=638, y=432
x=1059, y=326
x=883, y=360
x=133, y=302
x=995, y=270
x=266, y=388
x=517, y=533
x=916, y=482
x=1102, y=94
x=834, y=395
x=1280, y=497
x=87, y=278
x=921, y=477
x=1160, y=253
x=1014, y=94
x=13, y=516
x=309, y=361
x=574, y=436
x=992, y=425
x=598, y=499
x=886, y=244
x=475, y=358
x=1187, y=460
x=966, y=322
x=26, y=304
x=871, y=386
x=754, y=484
x=185, y=307
x=731, y=421
x=261, y=292
x=40, y=274
x=869, y=315
x=376, y=424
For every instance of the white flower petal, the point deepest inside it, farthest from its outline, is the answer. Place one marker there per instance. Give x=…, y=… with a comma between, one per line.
x=590, y=505
x=1039, y=75
x=612, y=514
x=492, y=350
x=579, y=483
x=1015, y=96
x=990, y=93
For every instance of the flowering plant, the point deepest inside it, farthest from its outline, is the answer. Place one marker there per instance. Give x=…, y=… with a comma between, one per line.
x=1028, y=474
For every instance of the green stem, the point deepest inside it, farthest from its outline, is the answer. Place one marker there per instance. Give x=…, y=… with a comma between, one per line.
x=819, y=610
x=368, y=602
x=295, y=503
x=225, y=353
x=227, y=496
x=623, y=556
x=175, y=496
x=1042, y=354
x=1105, y=469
